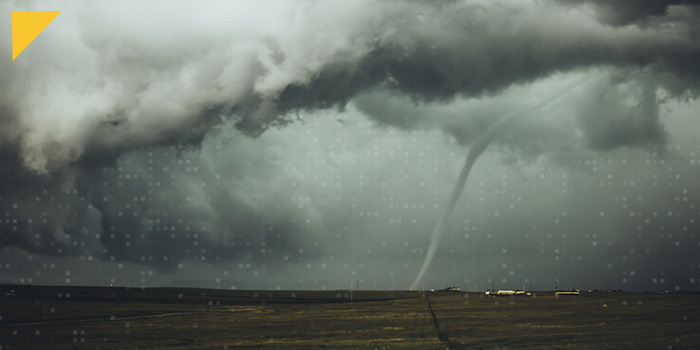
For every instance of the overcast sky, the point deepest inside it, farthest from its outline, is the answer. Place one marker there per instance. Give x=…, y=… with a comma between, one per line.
x=310, y=144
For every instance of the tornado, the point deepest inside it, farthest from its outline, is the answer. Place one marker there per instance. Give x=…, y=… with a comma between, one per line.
x=477, y=148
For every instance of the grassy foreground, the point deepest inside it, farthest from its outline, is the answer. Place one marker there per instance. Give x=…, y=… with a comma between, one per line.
x=185, y=318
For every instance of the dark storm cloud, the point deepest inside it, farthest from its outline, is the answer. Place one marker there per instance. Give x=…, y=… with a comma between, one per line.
x=135, y=90
x=632, y=115
x=29, y=201
x=109, y=80
x=525, y=137
x=165, y=206
x=621, y=12
x=160, y=208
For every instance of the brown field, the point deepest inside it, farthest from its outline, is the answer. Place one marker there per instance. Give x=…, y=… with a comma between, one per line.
x=33, y=317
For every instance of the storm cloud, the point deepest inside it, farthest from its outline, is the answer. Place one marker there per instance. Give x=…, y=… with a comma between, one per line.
x=97, y=115
x=124, y=79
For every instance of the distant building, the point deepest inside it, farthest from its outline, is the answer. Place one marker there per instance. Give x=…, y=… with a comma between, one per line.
x=508, y=292
x=505, y=292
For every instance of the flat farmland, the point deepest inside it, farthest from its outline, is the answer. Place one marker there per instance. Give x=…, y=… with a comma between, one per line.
x=34, y=317
x=589, y=321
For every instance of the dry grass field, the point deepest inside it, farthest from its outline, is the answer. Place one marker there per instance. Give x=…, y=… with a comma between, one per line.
x=186, y=318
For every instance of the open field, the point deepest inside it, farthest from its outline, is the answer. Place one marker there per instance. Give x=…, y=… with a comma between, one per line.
x=187, y=318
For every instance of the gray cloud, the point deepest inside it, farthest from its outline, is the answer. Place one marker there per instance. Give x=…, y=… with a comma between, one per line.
x=620, y=12
x=631, y=111
x=106, y=86
x=259, y=62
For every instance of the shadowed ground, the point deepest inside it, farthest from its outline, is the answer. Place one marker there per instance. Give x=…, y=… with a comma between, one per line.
x=186, y=318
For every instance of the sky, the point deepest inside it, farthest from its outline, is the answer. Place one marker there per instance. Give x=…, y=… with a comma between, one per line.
x=315, y=144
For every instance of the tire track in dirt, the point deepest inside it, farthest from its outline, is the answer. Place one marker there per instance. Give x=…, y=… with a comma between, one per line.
x=442, y=336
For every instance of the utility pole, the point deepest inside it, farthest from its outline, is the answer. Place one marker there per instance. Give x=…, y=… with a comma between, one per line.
x=350, y=292
x=423, y=288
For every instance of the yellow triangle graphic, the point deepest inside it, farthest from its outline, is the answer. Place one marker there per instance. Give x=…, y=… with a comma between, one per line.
x=26, y=26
